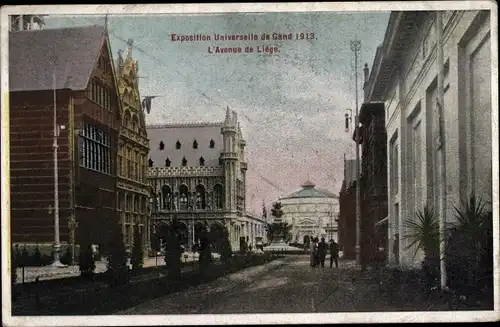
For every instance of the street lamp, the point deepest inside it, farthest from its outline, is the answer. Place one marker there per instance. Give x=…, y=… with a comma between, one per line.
x=57, y=130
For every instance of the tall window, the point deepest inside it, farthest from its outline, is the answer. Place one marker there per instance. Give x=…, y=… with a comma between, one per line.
x=150, y=163
x=167, y=162
x=394, y=170
x=219, y=203
x=200, y=197
x=162, y=145
x=195, y=145
x=202, y=161
x=99, y=94
x=184, y=161
x=167, y=197
x=178, y=145
x=212, y=144
x=136, y=164
x=183, y=197
x=95, y=149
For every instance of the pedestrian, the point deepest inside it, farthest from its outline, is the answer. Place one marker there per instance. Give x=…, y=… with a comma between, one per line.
x=311, y=253
x=322, y=249
x=316, y=252
x=334, y=254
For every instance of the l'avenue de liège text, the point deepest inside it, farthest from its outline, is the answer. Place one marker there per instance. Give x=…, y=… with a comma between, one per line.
x=262, y=43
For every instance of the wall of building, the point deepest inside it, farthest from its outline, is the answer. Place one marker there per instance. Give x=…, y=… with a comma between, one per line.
x=412, y=123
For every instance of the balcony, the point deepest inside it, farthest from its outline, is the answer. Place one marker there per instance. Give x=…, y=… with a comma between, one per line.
x=229, y=155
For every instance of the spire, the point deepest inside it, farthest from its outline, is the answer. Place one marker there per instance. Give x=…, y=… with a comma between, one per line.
x=130, y=43
x=120, y=61
x=239, y=130
x=228, y=117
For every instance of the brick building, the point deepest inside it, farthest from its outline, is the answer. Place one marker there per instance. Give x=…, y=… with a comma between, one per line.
x=71, y=70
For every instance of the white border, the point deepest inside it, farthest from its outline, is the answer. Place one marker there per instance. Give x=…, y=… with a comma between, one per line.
x=148, y=9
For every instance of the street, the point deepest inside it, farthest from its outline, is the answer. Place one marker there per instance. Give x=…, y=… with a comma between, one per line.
x=287, y=285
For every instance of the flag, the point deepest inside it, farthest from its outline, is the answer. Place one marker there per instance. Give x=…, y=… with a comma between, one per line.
x=146, y=103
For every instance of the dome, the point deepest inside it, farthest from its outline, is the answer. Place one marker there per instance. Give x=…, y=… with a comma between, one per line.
x=309, y=190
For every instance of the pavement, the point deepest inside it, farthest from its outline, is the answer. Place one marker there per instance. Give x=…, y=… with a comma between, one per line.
x=287, y=285
x=49, y=272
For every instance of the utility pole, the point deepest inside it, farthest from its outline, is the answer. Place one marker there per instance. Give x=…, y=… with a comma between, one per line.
x=441, y=145
x=57, y=245
x=356, y=47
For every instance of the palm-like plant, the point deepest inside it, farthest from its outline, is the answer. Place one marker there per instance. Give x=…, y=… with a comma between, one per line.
x=424, y=233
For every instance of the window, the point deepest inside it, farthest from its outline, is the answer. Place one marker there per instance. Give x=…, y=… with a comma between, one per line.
x=99, y=94
x=195, y=145
x=167, y=162
x=212, y=144
x=200, y=197
x=202, y=161
x=184, y=161
x=167, y=197
x=150, y=163
x=178, y=145
x=162, y=145
x=95, y=149
x=218, y=196
x=183, y=197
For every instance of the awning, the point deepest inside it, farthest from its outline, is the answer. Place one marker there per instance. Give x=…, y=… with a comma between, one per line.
x=383, y=221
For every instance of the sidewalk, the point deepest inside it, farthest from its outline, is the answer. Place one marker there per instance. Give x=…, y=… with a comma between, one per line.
x=49, y=272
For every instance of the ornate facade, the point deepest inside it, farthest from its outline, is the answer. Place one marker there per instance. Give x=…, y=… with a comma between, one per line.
x=198, y=176
x=312, y=212
x=133, y=190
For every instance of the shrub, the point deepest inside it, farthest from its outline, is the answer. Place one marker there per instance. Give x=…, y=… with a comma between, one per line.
x=37, y=257
x=118, y=272
x=137, y=251
x=226, y=251
x=86, y=261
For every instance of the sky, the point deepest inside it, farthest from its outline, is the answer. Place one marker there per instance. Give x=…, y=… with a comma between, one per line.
x=290, y=104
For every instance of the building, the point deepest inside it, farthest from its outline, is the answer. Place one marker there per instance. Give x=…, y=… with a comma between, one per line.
x=311, y=212
x=373, y=182
x=198, y=176
x=133, y=149
x=68, y=71
x=405, y=77
x=347, y=211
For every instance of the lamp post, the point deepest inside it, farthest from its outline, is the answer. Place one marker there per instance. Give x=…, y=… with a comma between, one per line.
x=57, y=130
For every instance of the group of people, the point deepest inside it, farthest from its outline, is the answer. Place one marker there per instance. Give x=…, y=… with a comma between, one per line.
x=318, y=251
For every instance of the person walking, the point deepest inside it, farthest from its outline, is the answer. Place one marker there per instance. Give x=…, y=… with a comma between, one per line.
x=316, y=252
x=334, y=254
x=311, y=253
x=322, y=249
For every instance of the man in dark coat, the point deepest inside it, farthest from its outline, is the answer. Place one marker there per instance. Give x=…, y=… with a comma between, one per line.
x=334, y=254
x=322, y=249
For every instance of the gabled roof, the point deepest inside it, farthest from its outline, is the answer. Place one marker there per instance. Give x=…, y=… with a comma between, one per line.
x=30, y=57
x=186, y=134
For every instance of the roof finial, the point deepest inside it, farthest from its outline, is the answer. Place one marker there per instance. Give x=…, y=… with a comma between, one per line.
x=228, y=116
x=130, y=43
x=106, y=22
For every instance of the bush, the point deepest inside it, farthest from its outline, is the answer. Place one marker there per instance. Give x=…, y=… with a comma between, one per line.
x=137, y=251
x=226, y=251
x=37, y=257
x=86, y=261
x=118, y=272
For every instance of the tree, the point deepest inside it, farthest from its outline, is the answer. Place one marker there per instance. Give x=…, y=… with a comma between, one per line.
x=137, y=251
x=86, y=261
x=277, y=211
x=117, y=260
x=226, y=252
x=173, y=252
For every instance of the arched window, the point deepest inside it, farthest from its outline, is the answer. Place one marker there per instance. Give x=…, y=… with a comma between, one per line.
x=202, y=161
x=212, y=144
x=150, y=162
x=162, y=145
x=183, y=197
x=167, y=162
x=195, y=145
x=200, y=197
x=178, y=145
x=184, y=161
x=218, y=200
x=167, y=197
